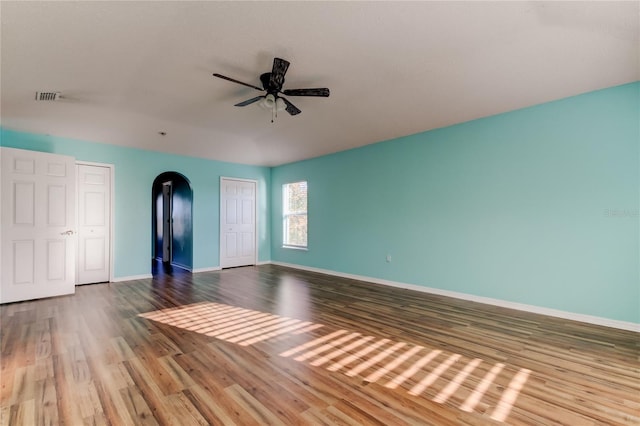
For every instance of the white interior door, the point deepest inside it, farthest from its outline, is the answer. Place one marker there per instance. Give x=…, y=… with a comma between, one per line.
x=38, y=219
x=94, y=223
x=237, y=222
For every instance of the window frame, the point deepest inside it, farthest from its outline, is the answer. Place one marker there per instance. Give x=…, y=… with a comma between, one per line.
x=286, y=214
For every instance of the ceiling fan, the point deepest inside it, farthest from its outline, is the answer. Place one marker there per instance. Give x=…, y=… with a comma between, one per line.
x=272, y=83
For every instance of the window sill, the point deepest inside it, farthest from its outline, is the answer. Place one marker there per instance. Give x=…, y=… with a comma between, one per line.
x=295, y=248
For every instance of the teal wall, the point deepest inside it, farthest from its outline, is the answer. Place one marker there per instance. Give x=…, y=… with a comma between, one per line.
x=537, y=206
x=135, y=171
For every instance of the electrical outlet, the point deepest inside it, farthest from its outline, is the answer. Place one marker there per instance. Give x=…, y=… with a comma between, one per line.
x=388, y=258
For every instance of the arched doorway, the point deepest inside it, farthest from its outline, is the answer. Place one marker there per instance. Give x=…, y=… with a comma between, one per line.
x=172, y=225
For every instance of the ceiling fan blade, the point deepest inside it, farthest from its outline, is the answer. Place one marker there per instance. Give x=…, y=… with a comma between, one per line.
x=280, y=67
x=236, y=81
x=291, y=108
x=324, y=92
x=249, y=101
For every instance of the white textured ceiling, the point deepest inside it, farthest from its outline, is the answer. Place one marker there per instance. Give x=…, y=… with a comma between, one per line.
x=128, y=70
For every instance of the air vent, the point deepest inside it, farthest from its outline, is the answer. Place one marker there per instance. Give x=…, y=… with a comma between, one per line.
x=47, y=96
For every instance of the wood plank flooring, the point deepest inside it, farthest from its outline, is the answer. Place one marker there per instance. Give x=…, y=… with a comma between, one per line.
x=269, y=345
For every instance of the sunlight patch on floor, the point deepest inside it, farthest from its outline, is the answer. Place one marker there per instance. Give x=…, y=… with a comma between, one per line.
x=510, y=396
x=236, y=325
x=482, y=388
x=418, y=367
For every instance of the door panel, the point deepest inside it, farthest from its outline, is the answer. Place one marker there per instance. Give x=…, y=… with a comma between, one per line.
x=247, y=211
x=247, y=243
x=167, y=230
x=94, y=249
x=232, y=246
x=56, y=202
x=23, y=261
x=24, y=205
x=237, y=222
x=231, y=211
x=55, y=259
x=37, y=220
x=94, y=223
x=182, y=224
x=94, y=204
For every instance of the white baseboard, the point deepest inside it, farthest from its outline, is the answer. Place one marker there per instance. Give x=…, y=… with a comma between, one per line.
x=218, y=268
x=209, y=269
x=131, y=278
x=623, y=325
x=183, y=267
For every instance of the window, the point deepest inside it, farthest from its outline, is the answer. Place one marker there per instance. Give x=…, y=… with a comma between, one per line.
x=294, y=215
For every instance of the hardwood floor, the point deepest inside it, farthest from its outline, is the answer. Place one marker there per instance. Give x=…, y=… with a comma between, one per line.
x=271, y=345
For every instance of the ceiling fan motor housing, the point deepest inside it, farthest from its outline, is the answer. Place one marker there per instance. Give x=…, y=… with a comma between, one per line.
x=266, y=79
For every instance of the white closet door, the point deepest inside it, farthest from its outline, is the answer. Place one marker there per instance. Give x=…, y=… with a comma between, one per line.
x=94, y=223
x=237, y=222
x=38, y=219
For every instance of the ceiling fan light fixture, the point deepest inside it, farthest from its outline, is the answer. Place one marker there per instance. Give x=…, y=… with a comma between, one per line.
x=269, y=102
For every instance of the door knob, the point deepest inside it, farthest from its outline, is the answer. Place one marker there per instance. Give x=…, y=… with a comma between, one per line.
x=68, y=232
